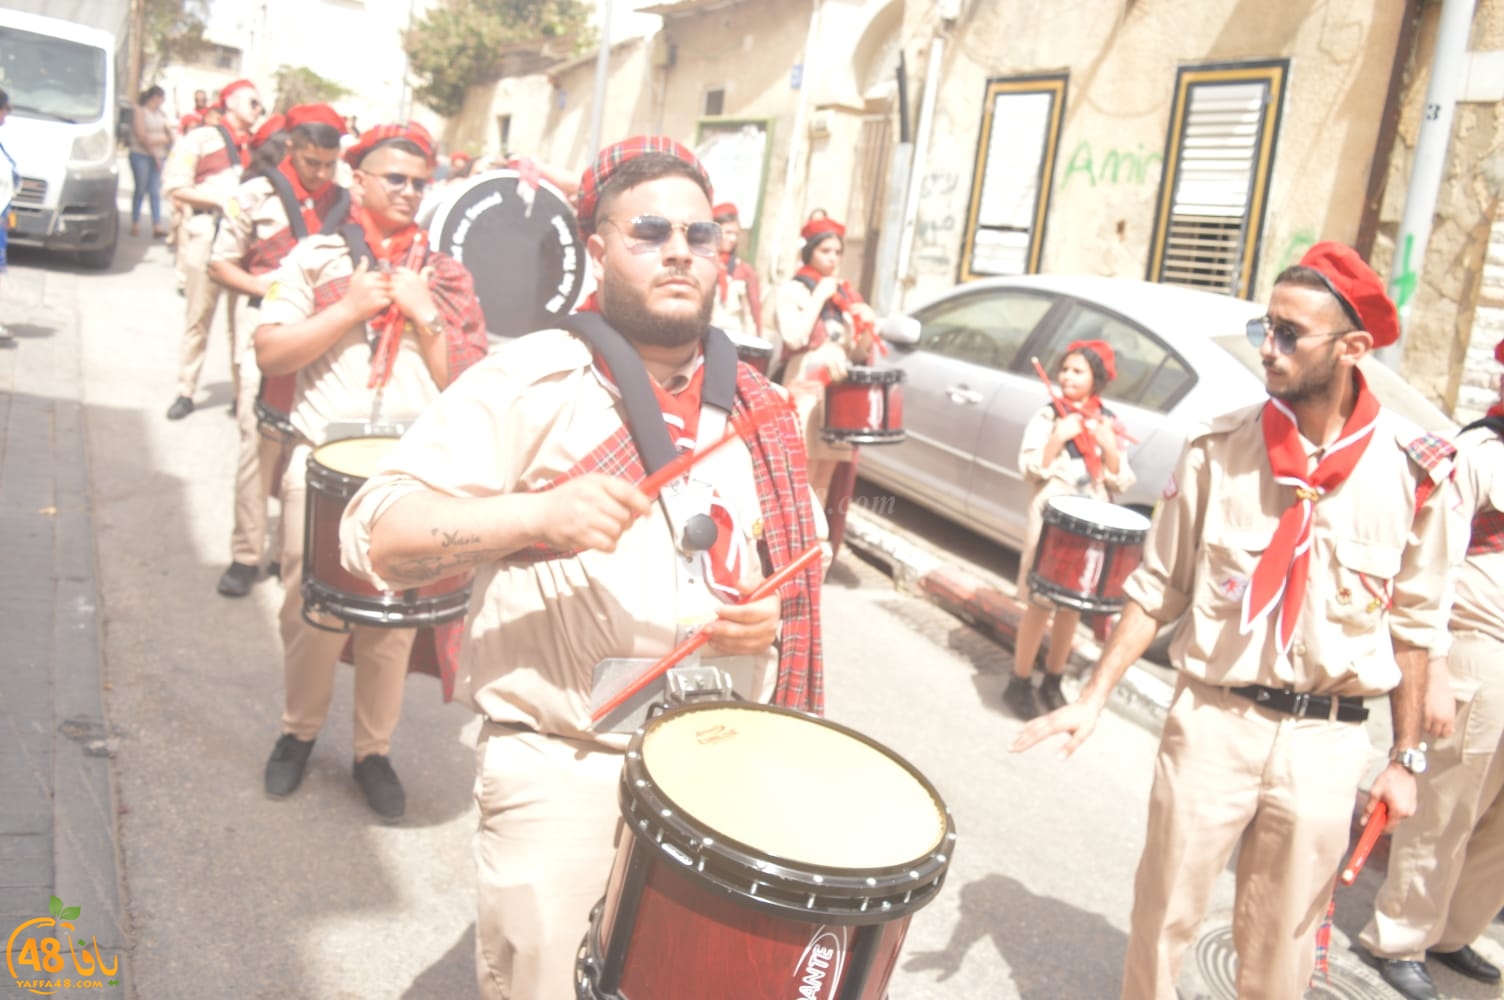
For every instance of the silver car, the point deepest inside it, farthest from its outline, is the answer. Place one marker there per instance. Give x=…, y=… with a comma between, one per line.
x=970, y=387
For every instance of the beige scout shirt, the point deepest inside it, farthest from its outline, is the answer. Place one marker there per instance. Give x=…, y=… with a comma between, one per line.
x=1218, y=514
x=519, y=419
x=1066, y=475
x=1478, y=479
x=333, y=387
x=182, y=166
x=254, y=213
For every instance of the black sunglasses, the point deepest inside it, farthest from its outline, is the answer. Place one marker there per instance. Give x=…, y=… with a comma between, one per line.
x=397, y=183
x=650, y=233
x=1285, y=336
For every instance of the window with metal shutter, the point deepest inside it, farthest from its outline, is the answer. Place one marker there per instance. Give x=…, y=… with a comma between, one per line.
x=1218, y=161
x=1012, y=179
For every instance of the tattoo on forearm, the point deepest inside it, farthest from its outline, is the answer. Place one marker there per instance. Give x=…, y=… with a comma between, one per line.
x=424, y=568
x=454, y=539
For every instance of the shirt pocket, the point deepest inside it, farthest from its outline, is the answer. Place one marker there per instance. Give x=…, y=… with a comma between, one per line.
x=1229, y=564
x=1364, y=585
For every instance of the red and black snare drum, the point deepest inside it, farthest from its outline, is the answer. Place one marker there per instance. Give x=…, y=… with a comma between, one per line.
x=336, y=471
x=753, y=350
x=1086, y=551
x=767, y=854
x=865, y=408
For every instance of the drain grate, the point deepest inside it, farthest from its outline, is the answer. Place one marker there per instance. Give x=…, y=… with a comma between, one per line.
x=1211, y=971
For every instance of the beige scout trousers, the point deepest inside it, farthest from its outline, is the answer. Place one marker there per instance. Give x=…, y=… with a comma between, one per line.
x=1456, y=837
x=202, y=293
x=1279, y=790
x=311, y=655
x=543, y=852
x=260, y=455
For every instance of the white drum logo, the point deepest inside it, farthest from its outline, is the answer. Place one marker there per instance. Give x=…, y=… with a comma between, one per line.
x=819, y=968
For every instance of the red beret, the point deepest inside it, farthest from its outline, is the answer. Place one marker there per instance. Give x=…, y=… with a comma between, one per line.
x=1358, y=288
x=459, y=158
x=231, y=88
x=315, y=114
x=822, y=226
x=382, y=134
x=269, y=128
x=593, y=181
x=1101, y=349
x=724, y=212
x=1499, y=352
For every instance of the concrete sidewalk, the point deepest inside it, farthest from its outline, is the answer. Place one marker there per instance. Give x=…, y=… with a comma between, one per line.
x=58, y=828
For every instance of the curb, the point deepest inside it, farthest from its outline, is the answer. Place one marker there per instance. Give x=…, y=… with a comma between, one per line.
x=1141, y=694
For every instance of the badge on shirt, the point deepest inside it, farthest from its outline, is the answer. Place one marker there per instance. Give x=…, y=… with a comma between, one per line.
x=1233, y=587
x=272, y=293
x=232, y=208
x=1172, y=489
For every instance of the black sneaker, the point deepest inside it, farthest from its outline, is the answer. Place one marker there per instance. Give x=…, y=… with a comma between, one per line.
x=236, y=581
x=1050, y=695
x=383, y=791
x=180, y=408
x=1019, y=697
x=284, y=769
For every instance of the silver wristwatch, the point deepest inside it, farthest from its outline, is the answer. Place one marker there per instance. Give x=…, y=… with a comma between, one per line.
x=1412, y=759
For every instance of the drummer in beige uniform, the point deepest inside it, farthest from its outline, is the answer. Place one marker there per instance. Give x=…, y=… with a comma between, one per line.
x=202, y=174
x=1053, y=456
x=1290, y=537
x=322, y=318
x=525, y=471
x=254, y=236
x=1445, y=880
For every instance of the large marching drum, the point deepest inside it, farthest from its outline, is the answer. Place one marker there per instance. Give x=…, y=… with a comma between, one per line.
x=768, y=854
x=1086, y=552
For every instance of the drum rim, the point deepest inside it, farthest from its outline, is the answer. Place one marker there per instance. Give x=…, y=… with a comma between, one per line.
x=1105, y=532
x=871, y=375
x=327, y=475
x=873, y=895
x=836, y=435
x=1047, y=588
x=363, y=609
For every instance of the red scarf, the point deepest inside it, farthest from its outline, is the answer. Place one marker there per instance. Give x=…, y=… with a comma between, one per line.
x=1280, y=576
x=1497, y=410
x=307, y=200
x=1086, y=442
x=408, y=247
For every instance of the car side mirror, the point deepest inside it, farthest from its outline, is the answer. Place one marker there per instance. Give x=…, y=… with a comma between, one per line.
x=899, y=329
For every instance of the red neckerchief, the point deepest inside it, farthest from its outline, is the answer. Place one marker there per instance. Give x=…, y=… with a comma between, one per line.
x=242, y=143
x=391, y=249
x=681, y=410
x=1497, y=410
x=307, y=199
x=1086, y=442
x=408, y=247
x=1280, y=576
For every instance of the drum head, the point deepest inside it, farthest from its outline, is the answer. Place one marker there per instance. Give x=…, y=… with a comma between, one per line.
x=1099, y=512
x=792, y=787
x=528, y=261
x=357, y=457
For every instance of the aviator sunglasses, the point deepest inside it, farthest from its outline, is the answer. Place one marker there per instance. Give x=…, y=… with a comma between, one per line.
x=397, y=183
x=1285, y=336
x=650, y=233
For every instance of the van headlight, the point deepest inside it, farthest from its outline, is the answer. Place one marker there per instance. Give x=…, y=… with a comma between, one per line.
x=92, y=148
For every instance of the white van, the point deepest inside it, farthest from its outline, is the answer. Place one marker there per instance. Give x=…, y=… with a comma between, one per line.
x=60, y=77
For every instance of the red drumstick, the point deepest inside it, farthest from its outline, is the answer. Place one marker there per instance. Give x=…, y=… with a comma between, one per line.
x=765, y=589
x=1377, y=820
x=741, y=425
x=1064, y=406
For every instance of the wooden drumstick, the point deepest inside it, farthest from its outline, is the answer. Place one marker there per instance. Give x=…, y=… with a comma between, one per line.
x=1377, y=820
x=767, y=588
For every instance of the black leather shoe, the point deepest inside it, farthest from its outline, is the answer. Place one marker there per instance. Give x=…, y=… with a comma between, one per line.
x=274, y=569
x=180, y=408
x=1019, y=697
x=1050, y=695
x=384, y=792
x=1409, y=979
x=284, y=769
x=236, y=581
x=1468, y=962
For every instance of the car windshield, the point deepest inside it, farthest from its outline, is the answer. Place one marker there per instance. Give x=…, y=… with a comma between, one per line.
x=1392, y=390
x=51, y=78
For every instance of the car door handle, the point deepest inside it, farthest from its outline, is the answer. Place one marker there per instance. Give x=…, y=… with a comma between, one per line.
x=961, y=394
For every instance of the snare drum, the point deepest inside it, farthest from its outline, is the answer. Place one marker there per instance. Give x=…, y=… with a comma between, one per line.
x=769, y=854
x=1086, y=550
x=273, y=404
x=753, y=350
x=335, y=472
x=865, y=408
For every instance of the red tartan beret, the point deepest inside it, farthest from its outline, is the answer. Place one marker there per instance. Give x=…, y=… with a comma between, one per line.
x=1358, y=288
x=315, y=114
x=269, y=128
x=593, y=181
x=382, y=134
x=1101, y=349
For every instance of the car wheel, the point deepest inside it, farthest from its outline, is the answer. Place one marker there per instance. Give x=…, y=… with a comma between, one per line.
x=100, y=258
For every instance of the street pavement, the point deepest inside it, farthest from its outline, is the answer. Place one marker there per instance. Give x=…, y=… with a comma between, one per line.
x=137, y=708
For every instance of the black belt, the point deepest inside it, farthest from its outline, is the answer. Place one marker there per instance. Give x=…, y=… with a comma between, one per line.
x=205, y=211
x=1302, y=704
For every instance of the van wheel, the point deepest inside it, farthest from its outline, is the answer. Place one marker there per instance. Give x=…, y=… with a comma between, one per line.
x=100, y=258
